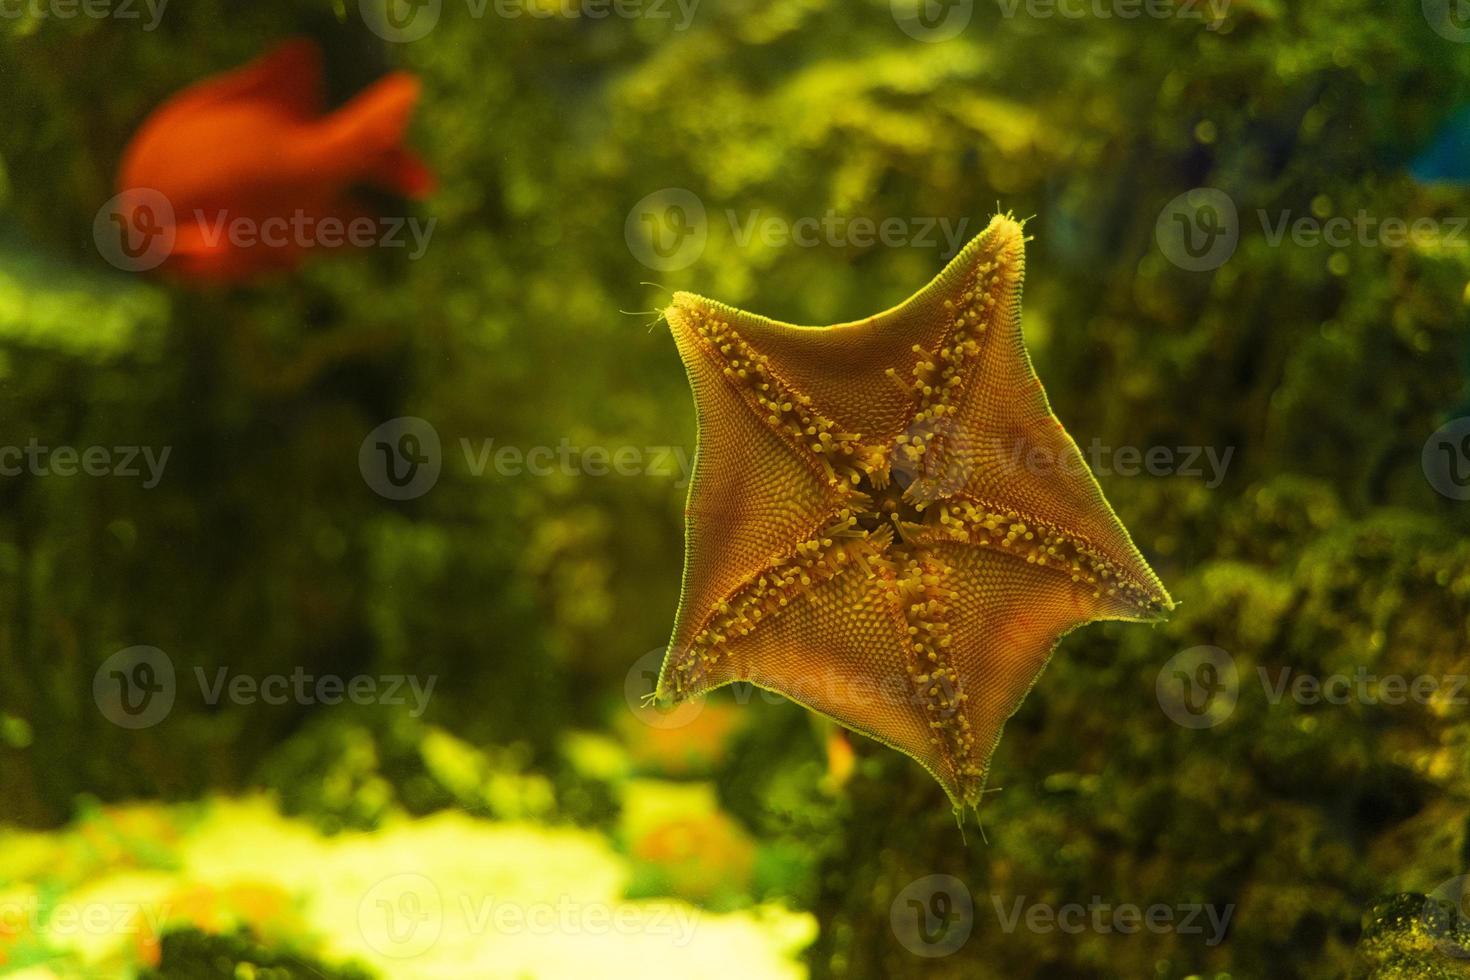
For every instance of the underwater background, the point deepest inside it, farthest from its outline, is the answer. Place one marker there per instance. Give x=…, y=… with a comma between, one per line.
x=1246, y=296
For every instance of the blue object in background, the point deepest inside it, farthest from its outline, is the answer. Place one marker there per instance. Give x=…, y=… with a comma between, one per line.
x=1447, y=158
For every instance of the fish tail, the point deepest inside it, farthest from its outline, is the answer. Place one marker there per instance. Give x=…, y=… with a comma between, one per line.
x=364, y=139
x=404, y=172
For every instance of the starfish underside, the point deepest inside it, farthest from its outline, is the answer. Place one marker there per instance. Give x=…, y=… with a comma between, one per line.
x=886, y=523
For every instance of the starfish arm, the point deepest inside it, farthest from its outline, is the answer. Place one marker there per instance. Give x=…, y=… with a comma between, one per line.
x=963, y=518
x=984, y=431
x=861, y=371
x=713, y=343
x=1002, y=617
x=756, y=493
x=844, y=647
x=710, y=649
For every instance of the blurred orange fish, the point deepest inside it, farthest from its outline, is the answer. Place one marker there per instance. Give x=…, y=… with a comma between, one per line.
x=841, y=760
x=243, y=173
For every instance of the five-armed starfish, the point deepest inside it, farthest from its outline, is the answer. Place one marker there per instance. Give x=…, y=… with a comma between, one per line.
x=886, y=522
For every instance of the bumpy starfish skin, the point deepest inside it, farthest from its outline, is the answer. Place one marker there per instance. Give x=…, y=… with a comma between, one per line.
x=886, y=523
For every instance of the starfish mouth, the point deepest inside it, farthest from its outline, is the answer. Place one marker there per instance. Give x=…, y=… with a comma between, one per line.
x=887, y=505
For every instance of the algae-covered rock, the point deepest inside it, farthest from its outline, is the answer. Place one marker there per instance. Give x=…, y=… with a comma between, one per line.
x=1413, y=937
x=197, y=955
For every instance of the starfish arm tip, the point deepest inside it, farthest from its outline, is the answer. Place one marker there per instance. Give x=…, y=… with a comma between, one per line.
x=683, y=300
x=1007, y=229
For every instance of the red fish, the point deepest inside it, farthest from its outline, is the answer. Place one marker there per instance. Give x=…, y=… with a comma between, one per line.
x=243, y=173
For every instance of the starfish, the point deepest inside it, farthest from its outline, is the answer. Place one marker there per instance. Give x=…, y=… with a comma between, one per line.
x=886, y=523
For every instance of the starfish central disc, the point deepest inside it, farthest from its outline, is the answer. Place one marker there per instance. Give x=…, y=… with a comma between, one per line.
x=888, y=506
